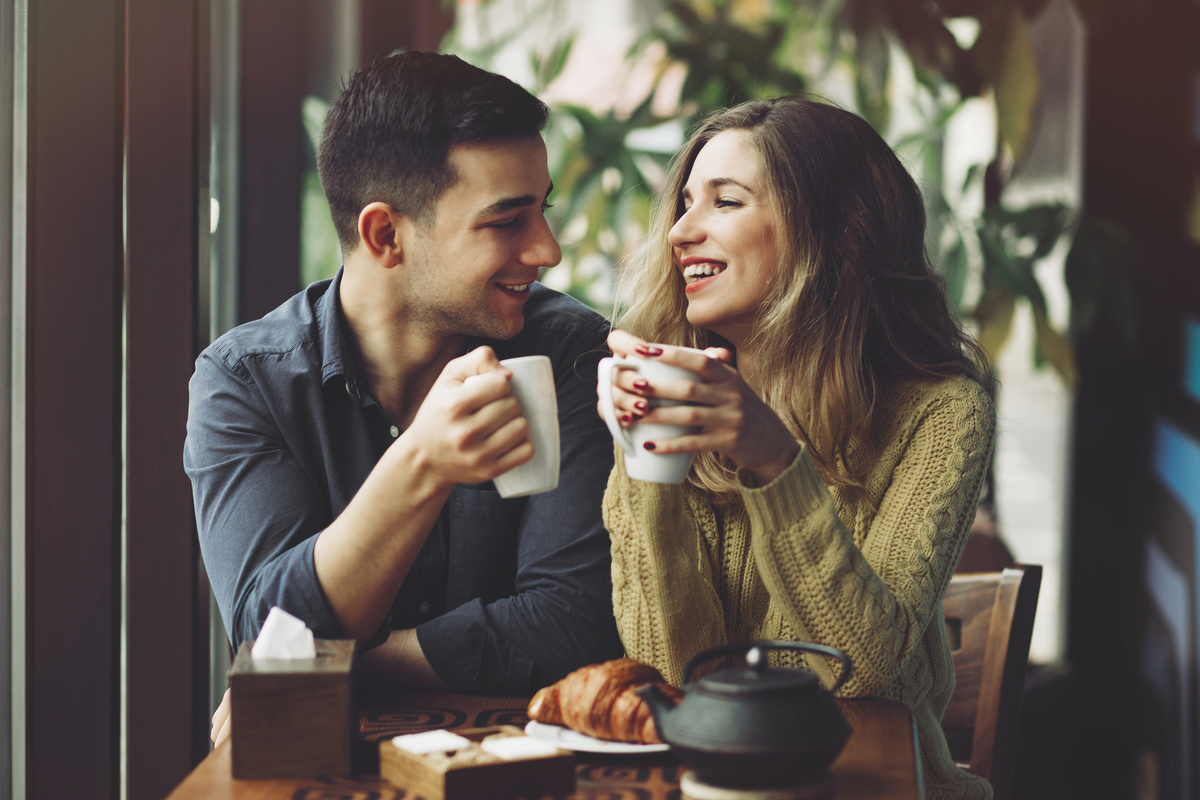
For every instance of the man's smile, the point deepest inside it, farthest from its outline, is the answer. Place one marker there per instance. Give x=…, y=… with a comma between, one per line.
x=520, y=290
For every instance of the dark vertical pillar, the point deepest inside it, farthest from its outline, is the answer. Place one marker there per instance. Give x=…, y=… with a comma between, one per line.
x=411, y=24
x=1140, y=164
x=72, y=251
x=431, y=20
x=167, y=232
x=271, y=154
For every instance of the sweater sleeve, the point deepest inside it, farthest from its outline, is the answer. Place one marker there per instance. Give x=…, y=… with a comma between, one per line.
x=664, y=583
x=874, y=598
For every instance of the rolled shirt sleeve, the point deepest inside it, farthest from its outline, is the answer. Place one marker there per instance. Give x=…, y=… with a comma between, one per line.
x=257, y=511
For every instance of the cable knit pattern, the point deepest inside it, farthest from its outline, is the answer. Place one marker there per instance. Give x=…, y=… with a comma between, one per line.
x=802, y=561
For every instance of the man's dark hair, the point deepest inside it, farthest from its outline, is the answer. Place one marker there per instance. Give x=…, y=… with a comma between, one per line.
x=388, y=135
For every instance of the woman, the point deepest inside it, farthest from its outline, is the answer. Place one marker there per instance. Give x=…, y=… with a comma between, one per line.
x=845, y=420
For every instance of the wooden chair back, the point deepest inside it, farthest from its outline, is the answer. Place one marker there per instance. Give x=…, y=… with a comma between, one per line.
x=989, y=618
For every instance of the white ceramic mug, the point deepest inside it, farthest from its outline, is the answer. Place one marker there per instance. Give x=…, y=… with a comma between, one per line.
x=640, y=463
x=533, y=387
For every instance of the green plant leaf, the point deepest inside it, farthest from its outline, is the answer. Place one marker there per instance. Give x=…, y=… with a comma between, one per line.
x=580, y=197
x=312, y=114
x=1052, y=348
x=955, y=267
x=935, y=53
x=1095, y=274
x=1015, y=274
x=994, y=314
x=973, y=174
x=683, y=12
x=1004, y=53
x=872, y=51
x=320, y=253
x=551, y=66
x=1044, y=222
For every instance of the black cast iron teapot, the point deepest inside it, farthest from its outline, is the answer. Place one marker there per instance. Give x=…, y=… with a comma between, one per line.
x=753, y=725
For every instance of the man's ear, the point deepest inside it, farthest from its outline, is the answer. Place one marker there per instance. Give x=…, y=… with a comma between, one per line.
x=379, y=229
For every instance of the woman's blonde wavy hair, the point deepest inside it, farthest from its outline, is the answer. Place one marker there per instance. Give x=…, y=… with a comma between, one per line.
x=856, y=305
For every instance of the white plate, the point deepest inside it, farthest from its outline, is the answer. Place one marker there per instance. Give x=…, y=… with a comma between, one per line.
x=573, y=740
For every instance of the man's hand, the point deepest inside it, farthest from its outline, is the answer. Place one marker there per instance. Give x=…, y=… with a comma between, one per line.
x=469, y=429
x=221, y=727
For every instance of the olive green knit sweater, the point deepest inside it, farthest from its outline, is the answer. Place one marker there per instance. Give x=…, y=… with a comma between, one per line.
x=801, y=561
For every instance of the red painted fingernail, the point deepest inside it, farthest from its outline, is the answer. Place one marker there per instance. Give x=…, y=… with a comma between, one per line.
x=640, y=405
x=641, y=384
x=626, y=419
x=649, y=350
x=649, y=445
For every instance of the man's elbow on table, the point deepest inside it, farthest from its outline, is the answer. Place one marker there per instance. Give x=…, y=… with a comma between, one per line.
x=399, y=661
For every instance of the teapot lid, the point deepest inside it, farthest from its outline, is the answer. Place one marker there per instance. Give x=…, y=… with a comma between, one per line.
x=757, y=676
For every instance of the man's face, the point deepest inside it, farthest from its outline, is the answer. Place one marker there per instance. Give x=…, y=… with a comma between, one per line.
x=468, y=270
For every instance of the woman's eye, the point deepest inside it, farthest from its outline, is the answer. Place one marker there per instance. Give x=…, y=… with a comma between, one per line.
x=726, y=202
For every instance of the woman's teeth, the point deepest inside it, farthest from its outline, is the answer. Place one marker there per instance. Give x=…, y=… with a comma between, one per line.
x=518, y=287
x=695, y=272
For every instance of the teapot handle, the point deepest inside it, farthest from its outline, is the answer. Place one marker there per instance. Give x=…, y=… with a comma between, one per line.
x=743, y=647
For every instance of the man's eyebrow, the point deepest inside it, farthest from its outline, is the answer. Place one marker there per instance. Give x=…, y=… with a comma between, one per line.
x=511, y=203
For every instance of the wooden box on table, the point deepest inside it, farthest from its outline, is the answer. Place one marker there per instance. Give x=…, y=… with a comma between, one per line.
x=471, y=774
x=293, y=718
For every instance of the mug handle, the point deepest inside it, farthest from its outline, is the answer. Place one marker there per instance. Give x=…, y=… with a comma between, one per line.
x=604, y=377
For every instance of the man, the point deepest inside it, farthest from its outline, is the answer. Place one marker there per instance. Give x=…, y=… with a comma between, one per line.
x=340, y=459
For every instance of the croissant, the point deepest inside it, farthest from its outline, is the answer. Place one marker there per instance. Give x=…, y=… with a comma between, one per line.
x=599, y=700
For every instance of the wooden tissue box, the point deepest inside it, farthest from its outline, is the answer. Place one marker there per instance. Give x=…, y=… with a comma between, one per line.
x=293, y=718
x=472, y=774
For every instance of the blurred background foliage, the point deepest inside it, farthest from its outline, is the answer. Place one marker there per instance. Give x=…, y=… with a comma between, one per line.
x=693, y=56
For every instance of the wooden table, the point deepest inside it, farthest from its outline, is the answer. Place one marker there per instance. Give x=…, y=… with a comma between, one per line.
x=880, y=760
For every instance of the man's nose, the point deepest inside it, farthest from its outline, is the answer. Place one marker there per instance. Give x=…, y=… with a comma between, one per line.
x=542, y=249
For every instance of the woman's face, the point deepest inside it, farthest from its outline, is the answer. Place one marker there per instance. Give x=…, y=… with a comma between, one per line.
x=724, y=243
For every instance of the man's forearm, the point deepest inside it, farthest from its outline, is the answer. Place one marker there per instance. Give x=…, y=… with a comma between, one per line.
x=399, y=662
x=363, y=557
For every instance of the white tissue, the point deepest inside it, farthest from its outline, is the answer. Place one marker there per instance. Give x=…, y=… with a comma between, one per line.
x=515, y=748
x=431, y=742
x=284, y=636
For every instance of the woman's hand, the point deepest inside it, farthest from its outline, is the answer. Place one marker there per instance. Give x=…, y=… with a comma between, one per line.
x=629, y=407
x=732, y=419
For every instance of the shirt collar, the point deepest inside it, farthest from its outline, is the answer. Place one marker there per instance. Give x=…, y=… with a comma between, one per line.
x=337, y=364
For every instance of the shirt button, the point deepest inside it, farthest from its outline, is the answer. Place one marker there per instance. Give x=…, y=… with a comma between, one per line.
x=394, y=431
x=424, y=608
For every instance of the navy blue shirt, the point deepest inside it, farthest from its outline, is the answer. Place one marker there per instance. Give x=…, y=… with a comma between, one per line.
x=506, y=595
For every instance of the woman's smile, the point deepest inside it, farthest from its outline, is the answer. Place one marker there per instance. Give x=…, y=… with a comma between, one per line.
x=697, y=274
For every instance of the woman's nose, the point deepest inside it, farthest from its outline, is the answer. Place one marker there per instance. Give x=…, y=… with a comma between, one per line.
x=684, y=231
